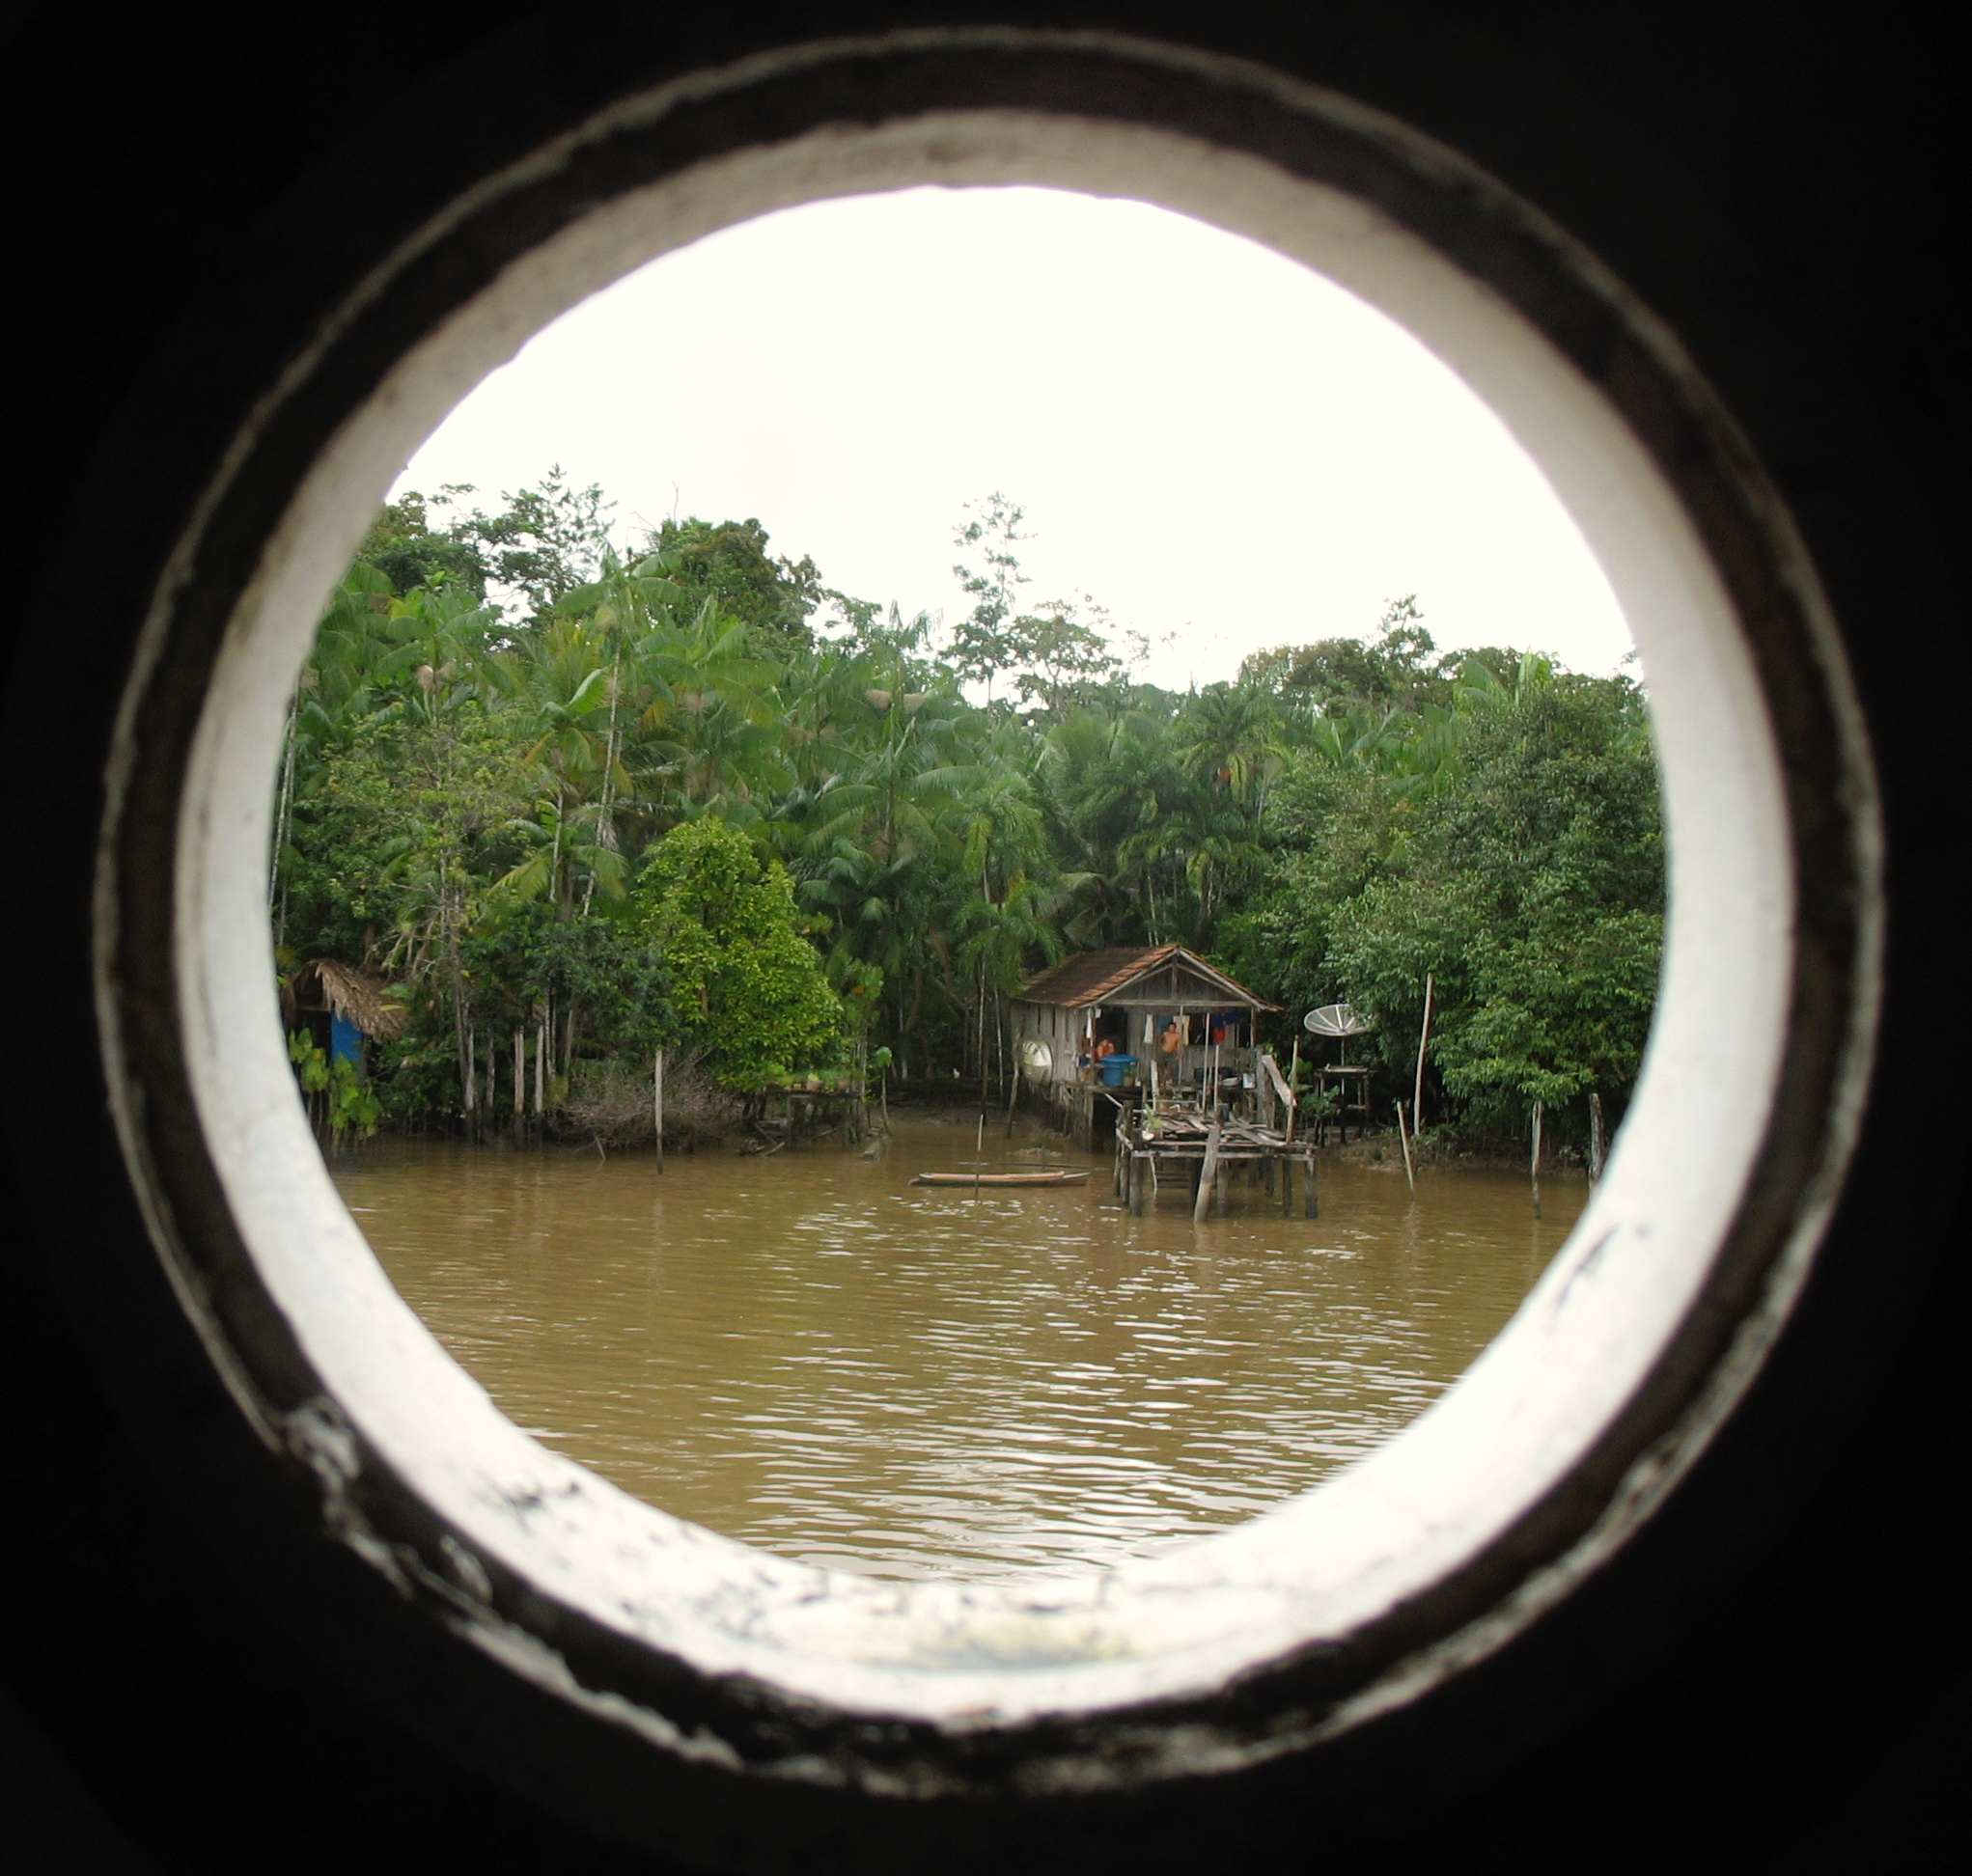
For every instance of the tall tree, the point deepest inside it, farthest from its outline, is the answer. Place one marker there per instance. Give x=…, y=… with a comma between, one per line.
x=728, y=562
x=749, y=990
x=989, y=640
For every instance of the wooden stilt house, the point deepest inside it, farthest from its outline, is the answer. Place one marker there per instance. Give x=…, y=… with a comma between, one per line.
x=1085, y=1031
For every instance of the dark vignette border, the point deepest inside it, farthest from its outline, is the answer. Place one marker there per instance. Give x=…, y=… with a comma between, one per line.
x=1486, y=231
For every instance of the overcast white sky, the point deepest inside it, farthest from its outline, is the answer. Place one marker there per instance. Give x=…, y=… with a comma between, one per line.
x=1209, y=439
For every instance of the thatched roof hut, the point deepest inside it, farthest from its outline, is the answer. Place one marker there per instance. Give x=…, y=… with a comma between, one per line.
x=365, y=1001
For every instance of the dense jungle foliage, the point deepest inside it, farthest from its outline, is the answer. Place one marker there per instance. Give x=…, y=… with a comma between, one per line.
x=686, y=797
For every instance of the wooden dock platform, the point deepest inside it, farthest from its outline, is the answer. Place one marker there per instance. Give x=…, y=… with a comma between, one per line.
x=1197, y=1144
x=1170, y=1139
x=1198, y=1155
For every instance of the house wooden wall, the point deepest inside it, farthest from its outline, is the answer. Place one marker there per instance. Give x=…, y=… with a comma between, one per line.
x=1061, y=1027
x=1057, y=1025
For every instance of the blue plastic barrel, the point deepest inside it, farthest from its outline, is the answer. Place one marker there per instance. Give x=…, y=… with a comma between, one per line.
x=1113, y=1068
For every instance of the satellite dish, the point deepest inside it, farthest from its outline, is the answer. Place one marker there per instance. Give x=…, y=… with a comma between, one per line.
x=1037, y=1059
x=1335, y=1019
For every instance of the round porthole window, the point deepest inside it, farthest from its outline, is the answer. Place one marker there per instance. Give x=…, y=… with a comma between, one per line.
x=735, y=1708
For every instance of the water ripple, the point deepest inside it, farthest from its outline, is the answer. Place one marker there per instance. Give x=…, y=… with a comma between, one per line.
x=810, y=1354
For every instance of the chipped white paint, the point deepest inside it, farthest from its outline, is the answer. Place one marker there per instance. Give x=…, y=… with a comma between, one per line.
x=972, y=1655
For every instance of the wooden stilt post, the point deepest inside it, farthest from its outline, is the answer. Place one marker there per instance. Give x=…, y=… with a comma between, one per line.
x=1208, y=1172
x=1403, y=1139
x=519, y=1075
x=1595, y=1141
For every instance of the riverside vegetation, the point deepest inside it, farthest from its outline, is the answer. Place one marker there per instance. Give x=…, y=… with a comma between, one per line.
x=686, y=797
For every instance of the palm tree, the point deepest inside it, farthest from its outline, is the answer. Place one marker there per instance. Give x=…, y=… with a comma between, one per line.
x=561, y=678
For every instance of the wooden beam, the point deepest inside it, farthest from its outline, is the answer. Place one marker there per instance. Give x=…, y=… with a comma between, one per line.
x=1280, y=1086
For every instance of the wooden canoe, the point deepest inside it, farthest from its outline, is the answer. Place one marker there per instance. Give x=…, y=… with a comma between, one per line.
x=1067, y=1175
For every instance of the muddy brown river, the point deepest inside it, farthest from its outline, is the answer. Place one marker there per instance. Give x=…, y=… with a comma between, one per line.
x=807, y=1352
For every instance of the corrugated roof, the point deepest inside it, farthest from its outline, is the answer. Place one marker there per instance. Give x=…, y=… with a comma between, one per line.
x=1102, y=976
